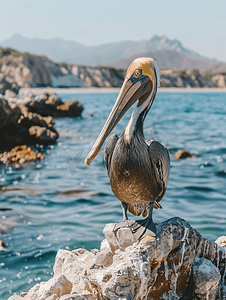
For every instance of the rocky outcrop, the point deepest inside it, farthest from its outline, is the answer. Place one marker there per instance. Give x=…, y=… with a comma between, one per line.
x=176, y=264
x=29, y=120
x=190, y=79
x=52, y=105
x=184, y=154
x=19, y=126
x=26, y=70
x=20, y=155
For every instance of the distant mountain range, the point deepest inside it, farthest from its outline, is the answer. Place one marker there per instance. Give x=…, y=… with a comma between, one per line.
x=169, y=53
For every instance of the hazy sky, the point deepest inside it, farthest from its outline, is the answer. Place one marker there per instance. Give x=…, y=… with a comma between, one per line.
x=199, y=24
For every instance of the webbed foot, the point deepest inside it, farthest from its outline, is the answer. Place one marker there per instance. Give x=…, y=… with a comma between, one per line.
x=143, y=228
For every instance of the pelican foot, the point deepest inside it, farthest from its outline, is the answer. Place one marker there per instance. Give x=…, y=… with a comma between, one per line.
x=142, y=228
x=139, y=229
x=123, y=224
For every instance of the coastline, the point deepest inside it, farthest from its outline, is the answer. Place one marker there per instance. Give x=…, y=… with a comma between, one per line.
x=77, y=90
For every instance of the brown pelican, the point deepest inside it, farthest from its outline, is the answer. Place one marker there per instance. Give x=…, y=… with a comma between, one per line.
x=138, y=169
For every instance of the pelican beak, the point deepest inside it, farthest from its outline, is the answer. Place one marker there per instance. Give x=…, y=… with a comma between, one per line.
x=131, y=91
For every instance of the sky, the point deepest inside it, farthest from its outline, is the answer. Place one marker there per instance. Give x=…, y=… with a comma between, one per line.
x=199, y=24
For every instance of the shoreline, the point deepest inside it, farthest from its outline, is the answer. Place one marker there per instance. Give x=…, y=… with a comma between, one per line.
x=95, y=90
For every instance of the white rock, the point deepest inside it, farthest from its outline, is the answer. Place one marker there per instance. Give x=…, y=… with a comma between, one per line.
x=53, y=297
x=15, y=297
x=221, y=241
x=58, y=285
x=104, y=257
x=206, y=279
x=85, y=296
x=33, y=292
x=105, y=244
x=10, y=94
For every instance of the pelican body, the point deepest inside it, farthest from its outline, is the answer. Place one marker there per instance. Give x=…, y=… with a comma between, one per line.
x=138, y=169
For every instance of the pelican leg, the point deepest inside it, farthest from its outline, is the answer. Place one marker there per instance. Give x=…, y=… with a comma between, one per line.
x=146, y=227
x=126, y=223
x=124, y=210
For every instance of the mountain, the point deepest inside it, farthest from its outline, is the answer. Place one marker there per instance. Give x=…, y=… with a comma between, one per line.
x=169, y=59
x=28, y=70
x=61, y=50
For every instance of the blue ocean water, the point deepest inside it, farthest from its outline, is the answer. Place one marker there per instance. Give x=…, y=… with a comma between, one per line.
x=60, y=203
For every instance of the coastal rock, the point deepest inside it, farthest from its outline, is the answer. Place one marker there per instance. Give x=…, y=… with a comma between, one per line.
x=206, y=278
x=19, y=126
x=20, y=155
x=178, y=264
x=219, y=81
x=52, y=105
x=221, y=241
x=43, y=135
x=58, y=285
x=10, y=94
x=15, y=297
x=3, y=244
x=183, y=154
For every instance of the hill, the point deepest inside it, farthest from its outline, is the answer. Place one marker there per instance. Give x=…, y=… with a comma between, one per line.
x=169, y=59
x=61, y=50
x=20, y=69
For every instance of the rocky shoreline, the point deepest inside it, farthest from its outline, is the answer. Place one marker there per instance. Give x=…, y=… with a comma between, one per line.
x=23, y=70
x=29, y=121
x=176, y=264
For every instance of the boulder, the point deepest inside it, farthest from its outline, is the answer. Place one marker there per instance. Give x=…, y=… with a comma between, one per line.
x=52, y=105
x=206, y=279
x=183, y=154
x=19, y=126
x=221, y=241
x=176, y=264
x=43, y=135
x=219, y=80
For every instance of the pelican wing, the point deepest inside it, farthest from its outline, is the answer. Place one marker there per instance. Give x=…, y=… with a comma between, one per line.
x=160, y=159
x=109, y=149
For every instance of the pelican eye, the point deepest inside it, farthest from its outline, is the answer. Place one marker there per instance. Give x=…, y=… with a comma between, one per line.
x=137, y=73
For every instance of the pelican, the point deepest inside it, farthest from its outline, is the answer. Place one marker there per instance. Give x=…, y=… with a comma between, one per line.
x=138, y=169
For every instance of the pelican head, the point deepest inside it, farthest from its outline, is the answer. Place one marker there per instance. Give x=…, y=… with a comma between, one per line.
x=140, y=85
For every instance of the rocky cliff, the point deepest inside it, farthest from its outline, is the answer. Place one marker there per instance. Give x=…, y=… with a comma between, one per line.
x=25, y=70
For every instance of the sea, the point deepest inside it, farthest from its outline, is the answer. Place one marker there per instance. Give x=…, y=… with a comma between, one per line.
x=59, y=203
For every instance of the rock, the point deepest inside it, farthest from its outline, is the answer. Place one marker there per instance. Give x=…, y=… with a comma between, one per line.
x=10, y=94
x=219, y=81
x=89, y=116
x=3, y=244
x=176, y=264
x=104, y=257
x=86, y=296
x=43, y=135
x=184, y=154
x=58, y=285
x=19, y=126
x=206, y=278
x=33, y=293
x=52, y=297
x=51, y=290
x=105, y=244
x=52, y=105
x=5, y=112
x=122, y=239
x=221, y=241
x=15, y=297
x=20, y=155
